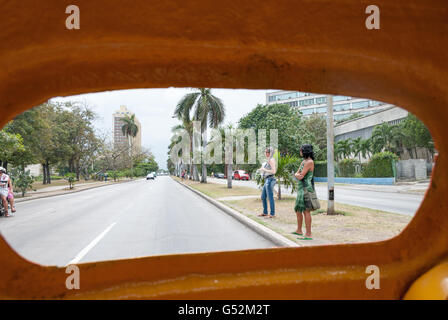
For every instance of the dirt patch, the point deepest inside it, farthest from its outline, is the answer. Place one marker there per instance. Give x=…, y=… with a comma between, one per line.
x=352, y=225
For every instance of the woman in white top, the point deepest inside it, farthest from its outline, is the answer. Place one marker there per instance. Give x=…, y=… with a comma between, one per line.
x=5, y=182
x=269, y=170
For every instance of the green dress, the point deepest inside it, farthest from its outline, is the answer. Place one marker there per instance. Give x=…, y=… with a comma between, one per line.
x=300, y=202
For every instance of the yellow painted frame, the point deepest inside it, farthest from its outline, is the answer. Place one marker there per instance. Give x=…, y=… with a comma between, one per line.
x=309, y=45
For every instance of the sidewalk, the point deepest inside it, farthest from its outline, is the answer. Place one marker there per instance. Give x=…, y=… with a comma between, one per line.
x=60, y=190
x=415, y=187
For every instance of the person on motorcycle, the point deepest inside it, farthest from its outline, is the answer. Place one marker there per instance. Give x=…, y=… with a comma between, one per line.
x=5, y=183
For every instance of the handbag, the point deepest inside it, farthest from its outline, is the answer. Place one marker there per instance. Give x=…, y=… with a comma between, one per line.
x=310, y=198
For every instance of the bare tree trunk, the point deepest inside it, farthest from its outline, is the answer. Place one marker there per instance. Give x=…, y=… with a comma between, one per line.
x=48, y=174
x=279, y=191
x=44, y=174
x=204, y=152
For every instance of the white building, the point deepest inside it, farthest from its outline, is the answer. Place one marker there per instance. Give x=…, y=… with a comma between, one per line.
x=313, y=103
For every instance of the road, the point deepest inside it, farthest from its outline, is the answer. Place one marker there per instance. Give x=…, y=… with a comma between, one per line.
x=388, y=200
x=134, y=219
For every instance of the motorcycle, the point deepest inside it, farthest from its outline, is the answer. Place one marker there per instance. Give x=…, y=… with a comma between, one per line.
x=2, y=209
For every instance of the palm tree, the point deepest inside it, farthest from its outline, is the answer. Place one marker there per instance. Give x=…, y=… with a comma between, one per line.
x=283, y=175
x=130, y=130
x=344, y=148
x=386, y=137
x=182, y=112
x=356, y=146
x=208, y=109
x=365, y=148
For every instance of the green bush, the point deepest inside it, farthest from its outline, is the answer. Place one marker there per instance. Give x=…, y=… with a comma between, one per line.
x=70, y=177
x=347, y=168
x=380, y=165
x=293, y=165
x=22, y=180
x=320, y=169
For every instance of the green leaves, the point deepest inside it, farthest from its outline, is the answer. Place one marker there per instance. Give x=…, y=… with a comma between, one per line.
x=22, y=180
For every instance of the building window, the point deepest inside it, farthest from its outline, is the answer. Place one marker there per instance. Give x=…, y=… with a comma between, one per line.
x=306, y=102
x=321, y=100
x=307, y=111
x=341, y=107
x=374, y=103
x=340, y=98
x=359, y=105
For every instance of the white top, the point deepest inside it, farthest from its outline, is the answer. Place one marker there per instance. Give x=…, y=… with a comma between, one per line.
x=4, y=179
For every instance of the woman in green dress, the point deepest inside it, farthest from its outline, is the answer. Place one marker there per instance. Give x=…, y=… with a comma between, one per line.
x=305, y=176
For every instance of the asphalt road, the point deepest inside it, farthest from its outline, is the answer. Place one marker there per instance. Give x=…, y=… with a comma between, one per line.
x=134, y=219
x=403, y=203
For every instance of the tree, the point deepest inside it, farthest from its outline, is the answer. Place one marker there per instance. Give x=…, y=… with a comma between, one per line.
x=385, y=138
x=130, y=130
x=316, y=127
x=344, y=148
x=22, y=180
x=365, y=148
x=356, y=146
x=10, y=144
x=414, y=135
x=183, y=113
x=281, y=117
x=283, y=174
x=208, y=110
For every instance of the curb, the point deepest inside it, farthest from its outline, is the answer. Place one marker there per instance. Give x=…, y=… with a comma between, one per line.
x=251, y=224
x=19, y=200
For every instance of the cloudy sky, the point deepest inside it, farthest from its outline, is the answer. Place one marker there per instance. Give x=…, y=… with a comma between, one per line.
x=154, y=108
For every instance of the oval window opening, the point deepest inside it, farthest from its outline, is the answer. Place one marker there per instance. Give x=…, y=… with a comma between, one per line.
x=134, y=173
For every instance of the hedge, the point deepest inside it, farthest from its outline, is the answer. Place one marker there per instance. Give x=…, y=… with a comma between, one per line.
x=380, y=166
x=347, y=168
x=320, y=168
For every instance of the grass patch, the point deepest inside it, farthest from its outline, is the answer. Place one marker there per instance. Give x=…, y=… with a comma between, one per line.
x=351, y=224
x=215, y=190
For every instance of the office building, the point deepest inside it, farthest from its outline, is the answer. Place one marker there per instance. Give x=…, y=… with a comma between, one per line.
x=311, y=103
x=120, y=140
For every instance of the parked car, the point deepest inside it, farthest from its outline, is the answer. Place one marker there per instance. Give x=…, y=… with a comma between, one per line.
x=150, y=176
x=219, y=175
x=241, y=175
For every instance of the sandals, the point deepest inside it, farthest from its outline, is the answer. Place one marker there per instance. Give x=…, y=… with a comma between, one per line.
x=298, y=234
x=262, y=215
x=305, y=238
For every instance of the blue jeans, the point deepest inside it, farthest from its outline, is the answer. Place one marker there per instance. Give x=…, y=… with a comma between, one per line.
x=268, y=191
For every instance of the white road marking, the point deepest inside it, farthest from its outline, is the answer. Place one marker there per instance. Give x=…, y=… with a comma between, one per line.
x=90, y=246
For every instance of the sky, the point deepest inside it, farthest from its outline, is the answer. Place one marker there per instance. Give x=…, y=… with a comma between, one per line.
x=154, y=109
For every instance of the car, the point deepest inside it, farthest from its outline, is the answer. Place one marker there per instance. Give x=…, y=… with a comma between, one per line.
x=219, y=175
x=150, y=176
x=241, y=175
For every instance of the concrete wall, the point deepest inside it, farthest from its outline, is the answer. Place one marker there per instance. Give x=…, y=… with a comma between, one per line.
x=363, y=127
x=412, y=169
x=378, y=181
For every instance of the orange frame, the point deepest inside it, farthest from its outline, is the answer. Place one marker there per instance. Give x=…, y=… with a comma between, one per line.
x=313, y=46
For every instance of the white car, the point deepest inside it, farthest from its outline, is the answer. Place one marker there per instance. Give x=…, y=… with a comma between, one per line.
x=150, y=176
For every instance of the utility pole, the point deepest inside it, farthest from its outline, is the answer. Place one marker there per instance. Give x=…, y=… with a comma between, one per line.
x=330, y=155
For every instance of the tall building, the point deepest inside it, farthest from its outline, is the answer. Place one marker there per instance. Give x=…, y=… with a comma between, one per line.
x=311, y=103
x=120, y=140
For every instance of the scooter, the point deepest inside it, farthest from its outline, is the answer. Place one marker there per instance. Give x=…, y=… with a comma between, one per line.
x=2, y=208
